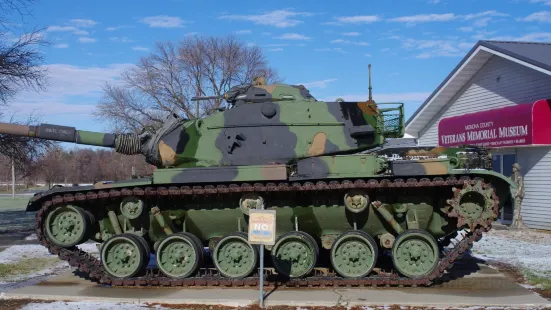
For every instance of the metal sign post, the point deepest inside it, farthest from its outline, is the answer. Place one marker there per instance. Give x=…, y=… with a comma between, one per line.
x=262, y=232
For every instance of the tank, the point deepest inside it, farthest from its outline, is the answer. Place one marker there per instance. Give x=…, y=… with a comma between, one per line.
x=355, y=205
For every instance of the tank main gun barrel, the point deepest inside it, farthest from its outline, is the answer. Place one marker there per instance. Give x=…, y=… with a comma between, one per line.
x=60, y=133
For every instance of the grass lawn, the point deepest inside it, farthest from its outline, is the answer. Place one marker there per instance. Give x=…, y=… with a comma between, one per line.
x=17, y=204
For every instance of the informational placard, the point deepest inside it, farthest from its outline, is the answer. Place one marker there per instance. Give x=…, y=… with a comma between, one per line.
x=262, y=224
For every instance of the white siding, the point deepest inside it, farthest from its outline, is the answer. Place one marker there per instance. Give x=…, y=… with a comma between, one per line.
x=517, y=84
x=535, y=165
x=499, y=83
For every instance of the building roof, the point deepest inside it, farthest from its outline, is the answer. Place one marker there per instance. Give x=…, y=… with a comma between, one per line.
x=535, y=55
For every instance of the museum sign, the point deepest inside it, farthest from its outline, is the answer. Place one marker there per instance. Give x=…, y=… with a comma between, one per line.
x=519, y=125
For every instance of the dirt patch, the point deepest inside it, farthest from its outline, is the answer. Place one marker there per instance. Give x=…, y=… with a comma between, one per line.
x=542, y=286
x=25, y=267
x=16, y=304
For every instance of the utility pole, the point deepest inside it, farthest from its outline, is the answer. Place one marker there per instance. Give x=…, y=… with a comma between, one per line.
x=12, y=178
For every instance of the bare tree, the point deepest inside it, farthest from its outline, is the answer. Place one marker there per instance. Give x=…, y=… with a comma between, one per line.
x=20, y=69
x=164, y=81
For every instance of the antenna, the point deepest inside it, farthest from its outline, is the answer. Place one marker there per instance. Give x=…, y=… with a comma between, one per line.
x=369, y=72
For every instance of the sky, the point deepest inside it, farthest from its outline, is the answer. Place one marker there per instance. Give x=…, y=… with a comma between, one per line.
x=325, y=45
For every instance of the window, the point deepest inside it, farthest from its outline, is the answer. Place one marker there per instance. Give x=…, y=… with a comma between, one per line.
x=503, y=163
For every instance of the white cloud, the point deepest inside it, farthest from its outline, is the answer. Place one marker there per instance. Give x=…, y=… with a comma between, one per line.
x=545, y=2
x=424, y=18
x=482, y=18
x=60, y=28
x=351, y=34
x=390, y=97
x=317, y=84
x=542, y=17
x=358, y=19
x=163, y=21
x=246, y=31
x=436, y=48
x=86, y=40
x=74, y=30
x=277, y=18
x=81, y=33
x=367, y=55
x=341, y=41
x=433, y=1
x=491, y=13
x=140, y=49
x=292, y=36
x=534, y=36
x=277, y=49
x=277, y=44
x=329, y=49
x=465, y=29
x=113, y=28
x=61, y=45
x=84, y=23
x=120, y=39
x=66, y=81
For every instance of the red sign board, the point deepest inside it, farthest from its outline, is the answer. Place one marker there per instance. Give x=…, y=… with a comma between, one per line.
x=522, y=124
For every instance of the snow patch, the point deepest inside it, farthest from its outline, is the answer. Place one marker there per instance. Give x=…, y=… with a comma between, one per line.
x=18, y=252
x=85, y=305
x=31, y=237
x=523, y=254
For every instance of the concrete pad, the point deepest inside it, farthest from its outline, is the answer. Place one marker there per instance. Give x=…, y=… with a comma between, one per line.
x=485, y=287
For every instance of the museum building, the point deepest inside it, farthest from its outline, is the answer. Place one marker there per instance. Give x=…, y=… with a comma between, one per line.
x=498, y=96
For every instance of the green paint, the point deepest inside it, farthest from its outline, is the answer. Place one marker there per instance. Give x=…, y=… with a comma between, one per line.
x=234, y=257
x=415, y=254
x=91, y=138
x=178, y=256
x=122, y=256
x=353, y=255
x=66, y=226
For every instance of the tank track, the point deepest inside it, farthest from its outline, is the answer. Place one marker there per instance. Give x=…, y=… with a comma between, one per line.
x=92, y=267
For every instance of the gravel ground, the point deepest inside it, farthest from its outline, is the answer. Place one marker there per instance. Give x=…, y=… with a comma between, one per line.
x=529, y=251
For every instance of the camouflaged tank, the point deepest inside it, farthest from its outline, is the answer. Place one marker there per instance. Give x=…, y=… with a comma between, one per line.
x=349, y=209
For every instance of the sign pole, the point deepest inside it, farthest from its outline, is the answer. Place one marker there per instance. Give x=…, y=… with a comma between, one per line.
x=262, y=228
x=262, y=276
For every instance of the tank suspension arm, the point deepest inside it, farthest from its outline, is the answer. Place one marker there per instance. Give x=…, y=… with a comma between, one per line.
x=387, y=216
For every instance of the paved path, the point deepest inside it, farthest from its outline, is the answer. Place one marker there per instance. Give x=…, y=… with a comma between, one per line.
x=485, y=287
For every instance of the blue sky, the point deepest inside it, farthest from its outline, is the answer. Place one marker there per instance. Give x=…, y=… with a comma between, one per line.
x=326, y=45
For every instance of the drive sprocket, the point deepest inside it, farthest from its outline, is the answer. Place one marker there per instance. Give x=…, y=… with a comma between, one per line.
x=473, y=205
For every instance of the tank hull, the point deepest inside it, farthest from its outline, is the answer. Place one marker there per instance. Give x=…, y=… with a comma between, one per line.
x=404, y=198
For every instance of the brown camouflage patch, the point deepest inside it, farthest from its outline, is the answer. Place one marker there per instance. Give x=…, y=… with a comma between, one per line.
x=436, y=168
x=318, y=144
x=100, y=185
x=168, y=155
x=369, y=107
x=278, y=172
x=268, y=88
x=14, y=129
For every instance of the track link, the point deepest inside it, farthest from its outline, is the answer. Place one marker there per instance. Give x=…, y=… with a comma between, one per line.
x=92, y=267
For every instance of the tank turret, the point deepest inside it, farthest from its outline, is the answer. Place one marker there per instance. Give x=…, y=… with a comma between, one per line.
x=265, y=124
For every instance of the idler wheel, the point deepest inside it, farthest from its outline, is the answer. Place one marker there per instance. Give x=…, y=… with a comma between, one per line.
x=234, y=256
x=67, y=226
x=354, y=254
x=124, y=255
x=295, y=254
x=415, y=253
x=180, y=255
